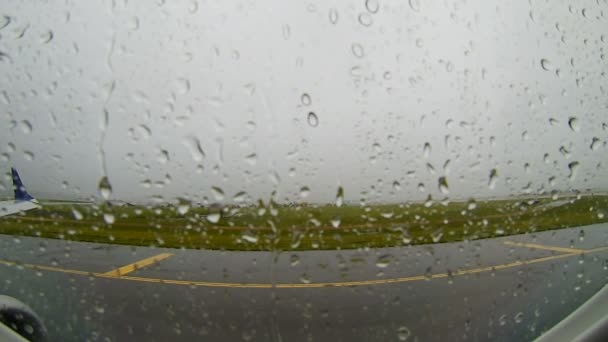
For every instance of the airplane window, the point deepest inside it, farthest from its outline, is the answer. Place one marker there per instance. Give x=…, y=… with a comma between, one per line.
x=301, y=171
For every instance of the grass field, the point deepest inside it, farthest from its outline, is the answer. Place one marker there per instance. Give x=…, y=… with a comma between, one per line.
x=276, y=227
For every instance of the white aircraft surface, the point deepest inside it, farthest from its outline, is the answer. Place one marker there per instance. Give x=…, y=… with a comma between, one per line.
x=22, y=202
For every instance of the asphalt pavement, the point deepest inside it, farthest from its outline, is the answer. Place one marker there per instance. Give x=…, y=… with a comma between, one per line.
x=509, y=288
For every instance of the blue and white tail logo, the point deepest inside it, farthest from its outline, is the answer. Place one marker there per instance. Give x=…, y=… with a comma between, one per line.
x=20, y=192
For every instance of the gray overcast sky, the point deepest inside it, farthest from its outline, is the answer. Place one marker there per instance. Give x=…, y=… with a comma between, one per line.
x=203, y=95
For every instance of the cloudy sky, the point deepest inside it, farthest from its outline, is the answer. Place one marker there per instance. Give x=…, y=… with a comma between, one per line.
x=207, y=100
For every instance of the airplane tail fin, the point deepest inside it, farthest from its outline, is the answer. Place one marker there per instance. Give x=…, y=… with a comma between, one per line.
x=20, y=192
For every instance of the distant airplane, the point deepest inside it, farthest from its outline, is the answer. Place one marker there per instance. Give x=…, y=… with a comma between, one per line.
x=22, y=202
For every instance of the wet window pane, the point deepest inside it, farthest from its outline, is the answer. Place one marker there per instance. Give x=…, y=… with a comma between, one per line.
x=360, y=170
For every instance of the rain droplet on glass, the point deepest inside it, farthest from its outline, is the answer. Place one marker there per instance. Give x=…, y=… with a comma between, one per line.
x=546, y=64
x=340, y=197
x=443, y=185
x=574, y=124
x=105, y=189
x=365, y=19
x=493, y=178
x=333, y=16
x=357, y=50
x=372, y=6
x=305, y=99
x=312, y=119
x=414, y=5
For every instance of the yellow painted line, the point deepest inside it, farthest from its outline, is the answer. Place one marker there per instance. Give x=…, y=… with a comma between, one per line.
x=545, y=247
x=45, y=268
x=110, y=275
x=595, y=250
x=126, y=269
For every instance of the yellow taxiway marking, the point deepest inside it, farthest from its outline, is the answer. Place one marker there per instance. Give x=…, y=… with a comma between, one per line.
x=126, y=269
x=493, y=268
x=549, y=248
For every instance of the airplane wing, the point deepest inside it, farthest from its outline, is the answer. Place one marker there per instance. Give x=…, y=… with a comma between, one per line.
x=23, y=200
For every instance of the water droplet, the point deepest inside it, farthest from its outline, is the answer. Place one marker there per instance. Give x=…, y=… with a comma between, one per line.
x=387, y=215
x=357, y=50
x=313, y=120
x=250, y=238
x=449, y=67
x=421, y=187
x=183, y=85
x=519, y=317
x=406, y=238
x=77, y=214
x=365, y=19
x=109, y=218
x=305, y=279
x=28, y=329
x=304, y=192
x=26, y=127
x=193, y=8
x=146, y=183
x=403, y=333
x=251, y=159
x=274, y=177
x=414, y=5
x=162, y=156
x=134, y=23
x=46, y=37
x=28, y=155
x=333, y=16
x=472, y=204
x=437, y=235
x=426, y=150
x=105, y=189
x=573, y=167
x=564, y=151
x=99, y=309
x=419, y=42
x=574, y=124
x=4, y=95
x=194, y=146
x=546, y=64
x=443, y=186
x=372, y=6
x=286, y=32
x=240, y=197
x=218, y=193
x=595, y=144
x=493, y=179
x=213, y=217
x=4, y=21
x=305, y=99
x=183, y=206
x=340, y=197
x=384, y=260
x=396, y=186
x=335, y=222
x=294, y=260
